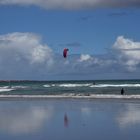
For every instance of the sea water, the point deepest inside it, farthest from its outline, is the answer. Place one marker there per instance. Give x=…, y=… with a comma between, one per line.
x=70, y=88
x=70, y=119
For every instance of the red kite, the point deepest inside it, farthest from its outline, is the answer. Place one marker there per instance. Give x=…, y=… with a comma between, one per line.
x=65, y=51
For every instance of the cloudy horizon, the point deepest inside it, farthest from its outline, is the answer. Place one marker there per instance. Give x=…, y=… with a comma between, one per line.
x=24, y=54
x=102, y=38
x=73, y=4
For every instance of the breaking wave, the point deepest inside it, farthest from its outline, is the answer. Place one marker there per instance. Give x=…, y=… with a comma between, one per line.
x=113, y=85
x=10, y=88
x=91, y=85
x=49, y=85
x=74, y=85
x=5, y=89
x=19, y=87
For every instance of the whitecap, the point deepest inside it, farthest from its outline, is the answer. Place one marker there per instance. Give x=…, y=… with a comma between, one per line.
x=46, y=86
x=5, y=89
x=115, y=85
x=74, y=85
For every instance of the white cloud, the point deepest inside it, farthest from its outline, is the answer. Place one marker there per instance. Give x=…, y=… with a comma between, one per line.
x=91, y=61
x=85, y=57
x=24, y=45
x=127, y=52
x=24, y=54
x=73, y=4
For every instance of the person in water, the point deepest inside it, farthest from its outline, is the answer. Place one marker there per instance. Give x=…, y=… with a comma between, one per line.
x=122, y=91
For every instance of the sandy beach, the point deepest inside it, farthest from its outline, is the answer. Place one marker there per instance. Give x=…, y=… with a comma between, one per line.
x=71, y=119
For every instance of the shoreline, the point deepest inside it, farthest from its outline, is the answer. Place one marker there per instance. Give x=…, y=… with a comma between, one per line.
x=79, y=96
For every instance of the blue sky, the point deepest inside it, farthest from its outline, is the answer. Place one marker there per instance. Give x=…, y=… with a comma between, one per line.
x=95, y=36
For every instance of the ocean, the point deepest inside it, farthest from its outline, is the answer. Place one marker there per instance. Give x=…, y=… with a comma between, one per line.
x=92, y=88
x=28, y=113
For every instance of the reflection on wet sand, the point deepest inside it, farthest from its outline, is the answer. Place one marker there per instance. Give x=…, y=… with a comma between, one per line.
x=130, y=115
x=69, y=120
x=66, y=120
x=23, y=120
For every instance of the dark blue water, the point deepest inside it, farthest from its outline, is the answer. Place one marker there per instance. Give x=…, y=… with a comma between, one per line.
x=131, y=87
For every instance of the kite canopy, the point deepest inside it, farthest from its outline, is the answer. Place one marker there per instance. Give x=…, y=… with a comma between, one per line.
x=65, y=51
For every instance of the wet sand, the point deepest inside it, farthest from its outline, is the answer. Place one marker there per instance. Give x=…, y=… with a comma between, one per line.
x=70, y=119
x=68, y=96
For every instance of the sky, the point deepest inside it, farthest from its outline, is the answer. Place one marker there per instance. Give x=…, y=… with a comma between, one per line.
x=103, y=38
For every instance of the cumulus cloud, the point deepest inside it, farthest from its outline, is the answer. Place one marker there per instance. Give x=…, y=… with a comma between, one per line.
x=85, y=57
x=22, y=53
x=127, y=52
x=73, y=4
x=24, y=56
x=124, y=59
x=94, y=62
x=26, y=45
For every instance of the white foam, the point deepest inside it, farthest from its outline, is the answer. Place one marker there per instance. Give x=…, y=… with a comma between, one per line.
x=10, y=88
x=50, y=85
x=46, y=85
x=18, y=87
x=73, y=85
x=80, y=96
x=92, y=85
x=114, y=85
x=5, y=89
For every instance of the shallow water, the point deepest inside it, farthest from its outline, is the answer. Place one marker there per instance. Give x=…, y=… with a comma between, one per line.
x=70, y=119
x=131, y=87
